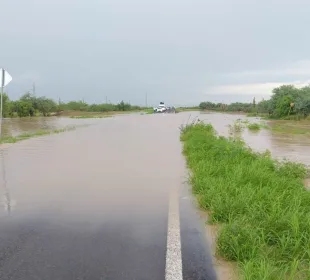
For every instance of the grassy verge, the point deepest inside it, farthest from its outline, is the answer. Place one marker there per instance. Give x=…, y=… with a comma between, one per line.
x=148, y=111
x=275, y=126
x=290, y=128
x=260, y=205
x=187, y=109
x=86, y=114
x=91, y=117
x=24, y=136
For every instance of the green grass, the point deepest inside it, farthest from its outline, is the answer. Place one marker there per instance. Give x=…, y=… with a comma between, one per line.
x=24, y=136
x=90, y=117
x=149, y=111
x=257, y=126
x=290, y=129
x=260, y=115
x=283, y=127
x=254, y=126
x=237, y=127
x=260, y=204
x=187, y=109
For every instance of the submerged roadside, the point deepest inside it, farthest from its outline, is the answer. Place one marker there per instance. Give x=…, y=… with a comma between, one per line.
x=258, y=206
x=24, y=136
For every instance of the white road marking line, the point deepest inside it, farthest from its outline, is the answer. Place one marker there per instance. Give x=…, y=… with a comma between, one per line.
x=174, y=252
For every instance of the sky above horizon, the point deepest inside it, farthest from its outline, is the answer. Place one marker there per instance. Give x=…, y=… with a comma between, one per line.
x=179, y=51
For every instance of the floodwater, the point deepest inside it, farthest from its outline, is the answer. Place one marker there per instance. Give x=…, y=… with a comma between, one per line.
x=104, y=201
x=17, y=126
x=293, y=147
x=95, y=203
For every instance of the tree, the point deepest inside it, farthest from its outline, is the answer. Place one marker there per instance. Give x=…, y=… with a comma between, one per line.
x=77, y=106
x=24, y=108
x=283, y=106
x=264, y=107
x=46, y=106
x=7, y=106
x=122, y=106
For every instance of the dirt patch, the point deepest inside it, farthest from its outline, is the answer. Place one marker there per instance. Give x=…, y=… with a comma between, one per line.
x=224, y=270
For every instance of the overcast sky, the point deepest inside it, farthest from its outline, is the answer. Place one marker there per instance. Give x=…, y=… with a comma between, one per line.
x=179, y=51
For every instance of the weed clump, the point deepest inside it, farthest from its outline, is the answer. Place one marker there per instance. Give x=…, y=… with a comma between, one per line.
x=254, y=126
x=260, y=203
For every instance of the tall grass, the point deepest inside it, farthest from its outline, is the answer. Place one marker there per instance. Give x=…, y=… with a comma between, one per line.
x=254, y=126
x=261, y=205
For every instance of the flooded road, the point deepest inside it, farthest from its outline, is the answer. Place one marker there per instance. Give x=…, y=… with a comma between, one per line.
x=17, y=126
x=110, y=200
x=106, y=201
x=281, y=145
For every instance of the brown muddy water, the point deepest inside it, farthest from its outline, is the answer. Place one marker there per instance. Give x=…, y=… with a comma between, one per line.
x=292, y=147
x=17, y=126
x=282, y=146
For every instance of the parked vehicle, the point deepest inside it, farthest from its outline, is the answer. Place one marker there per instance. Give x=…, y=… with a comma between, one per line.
x=162, y=108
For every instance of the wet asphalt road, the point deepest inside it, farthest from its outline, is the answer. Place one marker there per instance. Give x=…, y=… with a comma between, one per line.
x=99, y=203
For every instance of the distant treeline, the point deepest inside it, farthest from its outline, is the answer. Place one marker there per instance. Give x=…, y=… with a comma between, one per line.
x=286, y=101
x=31, y=105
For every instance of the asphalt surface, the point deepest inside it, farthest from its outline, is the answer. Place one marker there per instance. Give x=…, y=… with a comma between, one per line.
x=107, y=201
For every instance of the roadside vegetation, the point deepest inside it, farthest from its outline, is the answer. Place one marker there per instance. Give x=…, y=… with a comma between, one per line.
x=285, y=127
x=191, y=108
x=30, y=105
x=290, y=128
x=260, y=205
x=286, y=102
x=239, y=125
x=254, y=126
x=24, y=136
x=90, y=116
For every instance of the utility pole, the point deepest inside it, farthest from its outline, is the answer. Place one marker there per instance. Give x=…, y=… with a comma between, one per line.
x=2, y=86
x=5, y=80
x=146, y=100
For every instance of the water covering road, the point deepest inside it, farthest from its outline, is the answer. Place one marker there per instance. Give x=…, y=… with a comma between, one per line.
x=110, y=201
x=107, y=201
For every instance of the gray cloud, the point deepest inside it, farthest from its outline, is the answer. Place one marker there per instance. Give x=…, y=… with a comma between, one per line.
x=179, y=51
